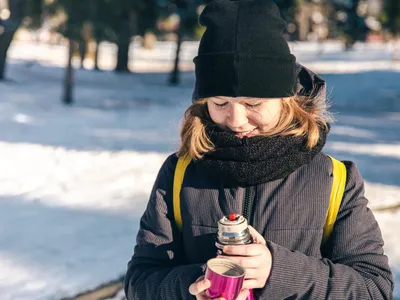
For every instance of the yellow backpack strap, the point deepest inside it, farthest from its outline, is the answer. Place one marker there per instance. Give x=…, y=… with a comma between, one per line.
x=338, y=186
x=180, y=169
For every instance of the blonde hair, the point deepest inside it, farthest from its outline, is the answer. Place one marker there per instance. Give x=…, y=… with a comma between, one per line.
x=300, y=116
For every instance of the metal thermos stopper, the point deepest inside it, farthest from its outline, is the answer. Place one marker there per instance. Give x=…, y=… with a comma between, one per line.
x=232, y=230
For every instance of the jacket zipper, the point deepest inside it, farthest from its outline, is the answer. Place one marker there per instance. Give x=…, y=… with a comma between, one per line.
x=248, y=205
x=248, y=195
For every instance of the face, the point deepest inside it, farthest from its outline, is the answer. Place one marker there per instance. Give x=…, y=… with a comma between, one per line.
x=245, y=116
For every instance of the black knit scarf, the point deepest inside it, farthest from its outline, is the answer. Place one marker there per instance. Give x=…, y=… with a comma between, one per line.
x=258, y=159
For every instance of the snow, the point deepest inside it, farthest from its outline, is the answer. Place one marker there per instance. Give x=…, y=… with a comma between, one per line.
x=75, y=180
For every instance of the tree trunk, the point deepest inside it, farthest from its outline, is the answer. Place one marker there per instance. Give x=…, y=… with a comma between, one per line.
x=16, y=8
x=174, y=78
x=123, y=55
x=69, y=76
x=5, y=42
x=82, y=51
x=96, y=57
x=303, y=21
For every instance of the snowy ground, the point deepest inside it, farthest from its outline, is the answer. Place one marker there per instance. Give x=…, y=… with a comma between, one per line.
x=75, y=180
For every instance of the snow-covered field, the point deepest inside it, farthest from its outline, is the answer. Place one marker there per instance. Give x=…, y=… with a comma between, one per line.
x=74, y=181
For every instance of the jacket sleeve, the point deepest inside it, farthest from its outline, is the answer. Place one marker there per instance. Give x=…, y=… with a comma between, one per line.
x=354, y=265
x=157, y=269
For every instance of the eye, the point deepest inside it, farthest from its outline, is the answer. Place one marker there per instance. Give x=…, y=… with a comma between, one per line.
x=252, y=105
x=221, y=105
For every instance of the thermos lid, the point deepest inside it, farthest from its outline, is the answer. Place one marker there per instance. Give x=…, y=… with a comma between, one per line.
x=232, y=223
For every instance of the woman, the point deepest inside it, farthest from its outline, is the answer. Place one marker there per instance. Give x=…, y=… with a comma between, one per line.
x=255, y=132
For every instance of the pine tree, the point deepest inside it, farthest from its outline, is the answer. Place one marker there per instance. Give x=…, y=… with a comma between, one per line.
x=130, y=18
x=392, y=12
x=187, y=11
x=10, y=26
x=74, y=15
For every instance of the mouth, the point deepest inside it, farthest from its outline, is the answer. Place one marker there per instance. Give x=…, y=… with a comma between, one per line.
x=245, y=133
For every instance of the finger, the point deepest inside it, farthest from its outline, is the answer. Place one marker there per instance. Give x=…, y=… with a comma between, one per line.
x=257, y=237
x=244, y=250
x=198, y=287
x=202, y=296
x=200, y=278
x=252, y=274
x=245, y=261
x=243, y=294
x=250, y=284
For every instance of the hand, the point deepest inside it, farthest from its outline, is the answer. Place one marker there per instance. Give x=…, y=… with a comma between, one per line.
x=255, y=258
x=257, y=238
x=199, y=288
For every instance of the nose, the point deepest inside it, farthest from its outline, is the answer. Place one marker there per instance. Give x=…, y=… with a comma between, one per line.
x=237, y=116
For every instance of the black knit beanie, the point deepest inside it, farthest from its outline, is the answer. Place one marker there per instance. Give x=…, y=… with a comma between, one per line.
x=243, y=52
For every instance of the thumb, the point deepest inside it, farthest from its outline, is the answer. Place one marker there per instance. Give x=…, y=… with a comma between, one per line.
x=243, y=294
x=258, y=238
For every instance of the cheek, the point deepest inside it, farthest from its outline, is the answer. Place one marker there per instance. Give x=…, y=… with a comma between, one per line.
x=268, y=114
x=217, y=115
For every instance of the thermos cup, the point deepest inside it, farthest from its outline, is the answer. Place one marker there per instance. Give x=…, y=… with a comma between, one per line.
x=226, y=278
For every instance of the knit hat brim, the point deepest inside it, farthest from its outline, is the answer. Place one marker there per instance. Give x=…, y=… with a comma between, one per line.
x=227, y=74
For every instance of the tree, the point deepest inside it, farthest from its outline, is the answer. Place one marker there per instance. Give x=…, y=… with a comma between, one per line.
x=392, y=13
x=174, y=78
x=130, y=18
x=73, y=16
x=290, y=11
x=68, y=85
x=99, y=17
x=11, y=25
x=352, y=25
x=113, y=20
x=187, y=11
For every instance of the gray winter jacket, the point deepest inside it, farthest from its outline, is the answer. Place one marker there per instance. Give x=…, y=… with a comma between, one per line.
x=290, y=213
